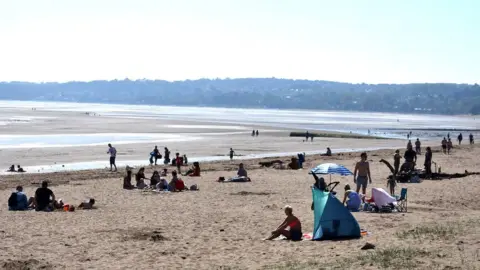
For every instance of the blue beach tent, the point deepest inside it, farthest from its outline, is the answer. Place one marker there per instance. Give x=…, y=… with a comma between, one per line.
x=332, y=220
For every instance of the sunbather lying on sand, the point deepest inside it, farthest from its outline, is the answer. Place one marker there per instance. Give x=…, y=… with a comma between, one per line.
x=293, y=223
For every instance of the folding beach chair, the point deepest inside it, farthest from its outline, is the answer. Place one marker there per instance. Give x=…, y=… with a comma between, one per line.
x=402, y=201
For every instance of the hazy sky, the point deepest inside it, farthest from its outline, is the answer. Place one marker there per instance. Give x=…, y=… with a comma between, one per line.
x=373, y=41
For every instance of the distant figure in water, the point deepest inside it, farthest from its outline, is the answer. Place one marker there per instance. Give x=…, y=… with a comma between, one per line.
x=20, y=169
x=253, y=133
x=11, y=169
x=256, y=133
x=471, y=138
x=231, y=153
x=460, y=138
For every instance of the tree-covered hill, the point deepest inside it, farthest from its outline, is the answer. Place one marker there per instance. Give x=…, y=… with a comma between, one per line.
x=259, y=93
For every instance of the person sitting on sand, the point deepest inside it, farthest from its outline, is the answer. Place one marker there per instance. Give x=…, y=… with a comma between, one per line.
x=44, y=198
x=242, y=172
x=140, y=178
x=162, y=184
x=176, y=184
x=20, y=169
x=194, y=171
x=293, y=223
x=18, y=200
x=127, y=180
x=11, y=169
x=410, y=157
x=328, y=153
x=155, y=179
x=351, y=199
x=293, y=165
x=87, y=204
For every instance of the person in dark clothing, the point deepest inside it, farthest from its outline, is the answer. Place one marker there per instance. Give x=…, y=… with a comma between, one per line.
x=12, y=169
x=410, y=157
x=306, y=136
x=178, y=162
x=471, y=138
x=428, y=162
x=460, y=138
x=396, y=161
x=166, y=156
x=44, y=198
x=256, y=133
x=156, y=154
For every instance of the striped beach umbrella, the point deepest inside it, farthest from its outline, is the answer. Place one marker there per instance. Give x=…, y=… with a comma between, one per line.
x=331, y=168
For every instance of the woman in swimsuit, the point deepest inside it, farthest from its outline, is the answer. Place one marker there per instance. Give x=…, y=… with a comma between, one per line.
x=295, y=231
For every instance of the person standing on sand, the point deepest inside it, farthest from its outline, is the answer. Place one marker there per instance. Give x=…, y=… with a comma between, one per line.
x=449, y=146
x=256, y=133
x=471, y=138
x=231, y=153
x=444, y=145
x=409, y=144
x=428, y=162
x=396, y=161
x=460, y=138
x=113, y=154
x=363, y=178
x=306, y=136
x=418, y=147
x=166, y=156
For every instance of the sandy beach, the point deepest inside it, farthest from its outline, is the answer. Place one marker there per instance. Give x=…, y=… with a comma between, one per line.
x=222, y=225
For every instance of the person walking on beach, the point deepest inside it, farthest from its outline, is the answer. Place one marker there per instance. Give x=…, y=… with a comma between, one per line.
x=253, y=133
x=361, y=174
x=306, y=136
x=460, y=138
x=256, y=133
x=231, y=153
x=471, y=138
x=418, y=148
x=409, y=144
x=113, y=154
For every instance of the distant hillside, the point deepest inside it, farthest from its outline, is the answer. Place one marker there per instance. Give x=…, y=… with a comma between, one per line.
x=259, y=93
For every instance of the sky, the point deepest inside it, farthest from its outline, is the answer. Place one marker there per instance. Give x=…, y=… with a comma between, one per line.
x=371, y=41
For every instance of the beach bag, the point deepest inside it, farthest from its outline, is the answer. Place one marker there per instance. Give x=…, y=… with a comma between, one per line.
x=12, y=201
x=194, y=187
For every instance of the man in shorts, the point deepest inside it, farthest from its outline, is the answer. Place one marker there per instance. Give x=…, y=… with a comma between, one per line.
x=361, y=175
x=113, y=154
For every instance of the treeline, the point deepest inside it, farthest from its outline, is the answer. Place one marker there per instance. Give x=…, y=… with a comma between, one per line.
x=259, y=93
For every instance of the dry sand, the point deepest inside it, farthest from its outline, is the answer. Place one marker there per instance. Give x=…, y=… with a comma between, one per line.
x=218, y=228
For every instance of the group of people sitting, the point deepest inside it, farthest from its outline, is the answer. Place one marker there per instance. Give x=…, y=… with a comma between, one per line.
x=44, y=200
x=12, y=169
x=157, y=181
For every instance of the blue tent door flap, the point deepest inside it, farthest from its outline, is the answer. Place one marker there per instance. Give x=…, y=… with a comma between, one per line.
x=332, y=220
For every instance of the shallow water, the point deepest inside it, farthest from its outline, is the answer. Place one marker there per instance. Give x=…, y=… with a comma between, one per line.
x=68, y=140
x=103, y=164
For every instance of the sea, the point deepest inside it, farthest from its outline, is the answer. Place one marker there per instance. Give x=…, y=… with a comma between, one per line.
x=233, y=120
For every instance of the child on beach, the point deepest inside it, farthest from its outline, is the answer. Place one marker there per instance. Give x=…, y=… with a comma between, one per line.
x=231, y=153
x=396, y=161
